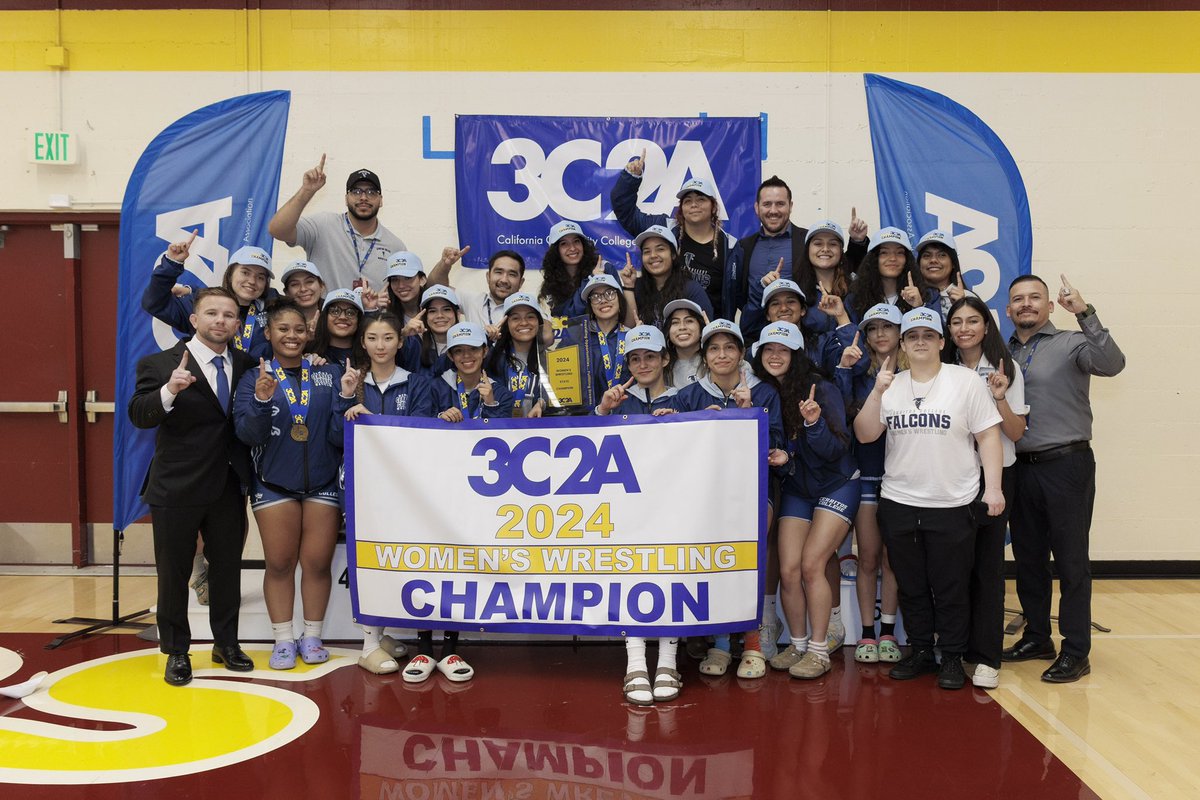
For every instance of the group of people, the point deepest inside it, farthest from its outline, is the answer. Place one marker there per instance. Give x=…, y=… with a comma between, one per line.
x=896, y=411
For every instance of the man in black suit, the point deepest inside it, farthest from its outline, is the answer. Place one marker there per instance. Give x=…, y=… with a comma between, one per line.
x=198, y=478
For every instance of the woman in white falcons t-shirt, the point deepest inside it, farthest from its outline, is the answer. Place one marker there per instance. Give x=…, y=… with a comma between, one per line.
x=934, y=415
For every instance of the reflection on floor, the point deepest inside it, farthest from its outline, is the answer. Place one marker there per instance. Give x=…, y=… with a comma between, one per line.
x=537, y=722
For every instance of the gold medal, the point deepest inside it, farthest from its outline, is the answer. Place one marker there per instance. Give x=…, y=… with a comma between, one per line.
x=299, y=432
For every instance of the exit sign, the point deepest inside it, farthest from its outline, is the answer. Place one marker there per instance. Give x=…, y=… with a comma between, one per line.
x=53, y=147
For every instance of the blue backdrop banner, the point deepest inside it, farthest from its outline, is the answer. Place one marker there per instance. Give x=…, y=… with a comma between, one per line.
x=517, y=176
x=937, y=165
x=216, y=171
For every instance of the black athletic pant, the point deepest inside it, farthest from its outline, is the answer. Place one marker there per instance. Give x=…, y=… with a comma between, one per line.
x=986, y=639
x=931, y=551
x=1053, y=514
x=222, y=526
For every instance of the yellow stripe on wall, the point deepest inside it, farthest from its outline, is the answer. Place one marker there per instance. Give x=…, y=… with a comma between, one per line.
x=603, y=41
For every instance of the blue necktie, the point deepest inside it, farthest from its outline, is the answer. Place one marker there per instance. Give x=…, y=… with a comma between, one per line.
x=222, y=383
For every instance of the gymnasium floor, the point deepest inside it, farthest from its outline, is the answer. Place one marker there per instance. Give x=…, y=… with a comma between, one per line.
x=549, y=722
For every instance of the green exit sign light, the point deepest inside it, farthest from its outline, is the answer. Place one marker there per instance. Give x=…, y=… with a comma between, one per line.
x=53, y=147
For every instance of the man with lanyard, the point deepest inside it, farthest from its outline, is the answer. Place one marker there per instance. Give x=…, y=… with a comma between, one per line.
x=1056, y=471
x=350, y=247
x=776, y=239
x=505, y=275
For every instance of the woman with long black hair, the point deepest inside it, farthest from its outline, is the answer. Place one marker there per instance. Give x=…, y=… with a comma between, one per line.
x=515, y=359
x=976, y=344
x=889, y=274
x=820, y=493
x=663, y=279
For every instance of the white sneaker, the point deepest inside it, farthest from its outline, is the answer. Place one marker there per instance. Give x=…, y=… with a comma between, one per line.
x=836, y=637
x=768, y=638
x=985, y=677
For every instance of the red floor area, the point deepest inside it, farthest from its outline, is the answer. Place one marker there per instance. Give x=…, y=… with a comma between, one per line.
x=549, y=722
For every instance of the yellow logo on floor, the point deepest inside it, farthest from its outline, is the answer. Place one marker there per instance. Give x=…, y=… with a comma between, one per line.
x=160, y=723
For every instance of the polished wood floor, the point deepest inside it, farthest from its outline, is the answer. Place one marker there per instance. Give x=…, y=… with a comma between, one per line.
x=1127, y=731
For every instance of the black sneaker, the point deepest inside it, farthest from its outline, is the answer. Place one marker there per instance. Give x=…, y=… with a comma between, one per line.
x=951, y=675
x=918, y=662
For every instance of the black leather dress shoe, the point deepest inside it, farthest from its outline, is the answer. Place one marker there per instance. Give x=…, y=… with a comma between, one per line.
x=179, y=669
x=233, y=658
x=1067, y=669
x=1028, y=650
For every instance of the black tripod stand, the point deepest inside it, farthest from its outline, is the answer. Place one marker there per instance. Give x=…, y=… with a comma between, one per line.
x=118, y=620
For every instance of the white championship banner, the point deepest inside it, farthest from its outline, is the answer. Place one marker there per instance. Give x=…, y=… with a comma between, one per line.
x=640, y=525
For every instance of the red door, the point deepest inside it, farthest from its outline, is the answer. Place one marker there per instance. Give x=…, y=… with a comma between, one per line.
x=58, y=274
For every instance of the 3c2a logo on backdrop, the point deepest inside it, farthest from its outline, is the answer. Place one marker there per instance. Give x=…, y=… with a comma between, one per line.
x=176, y=226
x=540, y=176
x=981, y=229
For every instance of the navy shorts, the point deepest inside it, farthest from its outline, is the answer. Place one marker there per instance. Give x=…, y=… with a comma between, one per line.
x=870, y=491
x=842, y=501
x=265, y=496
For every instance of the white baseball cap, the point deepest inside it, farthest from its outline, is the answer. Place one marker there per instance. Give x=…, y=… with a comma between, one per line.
x=782, y=285
x=564, y=228
x=657, y=231
x=720, y=326
x=403, y=264
x=921, y=318
x=891, y=236
x=442, y=292
x=644, y=337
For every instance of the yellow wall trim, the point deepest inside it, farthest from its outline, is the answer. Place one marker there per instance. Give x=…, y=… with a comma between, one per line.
x=601, y=41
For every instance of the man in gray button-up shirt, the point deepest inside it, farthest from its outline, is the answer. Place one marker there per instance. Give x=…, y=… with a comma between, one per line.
x=1056, y=471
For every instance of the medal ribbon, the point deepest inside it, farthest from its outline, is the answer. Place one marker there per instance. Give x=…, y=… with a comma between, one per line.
x=297, y=406
x=242, y=340
x=612, y=367
x=362, y=260
x=518, y=380
x=464, y=399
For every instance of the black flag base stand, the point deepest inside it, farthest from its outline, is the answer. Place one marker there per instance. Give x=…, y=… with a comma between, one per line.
x=118, y=619
x=1018, y=622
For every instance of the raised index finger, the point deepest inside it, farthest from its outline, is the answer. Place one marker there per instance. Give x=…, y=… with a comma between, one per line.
x=1065, y=283
x=192, y=238
x=855, y=342
x=643, y=155
x=853, y=213
x=628, y=383
x=910, y=281
x=812, y=393
x=262, y=367
x=183, y=361
x=321, y=166
x=885, y=366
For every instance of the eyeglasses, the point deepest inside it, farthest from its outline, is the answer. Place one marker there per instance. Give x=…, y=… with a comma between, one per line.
x=343, y=311
x=357, y=192
x=602, y=296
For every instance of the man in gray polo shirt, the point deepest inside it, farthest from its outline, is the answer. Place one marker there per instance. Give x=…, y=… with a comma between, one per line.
x=1056, y=471
x=345, y=246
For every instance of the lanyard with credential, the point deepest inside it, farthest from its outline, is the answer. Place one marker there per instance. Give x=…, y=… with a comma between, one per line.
x=362, y=260
x=297, y=406
x=1028, y=358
